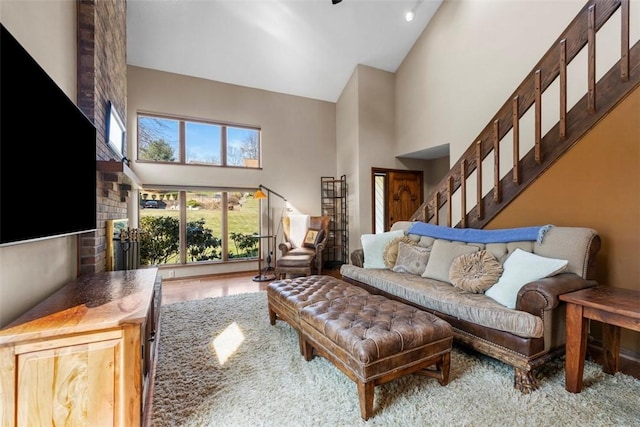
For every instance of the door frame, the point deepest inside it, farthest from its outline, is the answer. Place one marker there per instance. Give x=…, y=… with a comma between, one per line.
x=378, y=171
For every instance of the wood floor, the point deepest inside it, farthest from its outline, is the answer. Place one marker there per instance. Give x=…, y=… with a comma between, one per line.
x=177, y=290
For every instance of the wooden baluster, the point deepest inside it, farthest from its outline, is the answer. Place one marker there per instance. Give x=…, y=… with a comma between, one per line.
x=449, y=200
x=479, y=204
x=624, y=48
x=538, y=110
x=436, y=204
x=463, y=192
x=425, y=213
x=563, y=88
x=591, y=58
x=496, y=161
x=516, y=140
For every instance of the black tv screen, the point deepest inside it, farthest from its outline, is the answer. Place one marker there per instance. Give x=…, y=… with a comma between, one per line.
x=47, y=153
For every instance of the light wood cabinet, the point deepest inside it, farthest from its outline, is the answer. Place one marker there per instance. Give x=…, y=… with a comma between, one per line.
x=85, y=356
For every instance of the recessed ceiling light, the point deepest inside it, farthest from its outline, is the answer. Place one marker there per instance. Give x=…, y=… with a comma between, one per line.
x=409, y=16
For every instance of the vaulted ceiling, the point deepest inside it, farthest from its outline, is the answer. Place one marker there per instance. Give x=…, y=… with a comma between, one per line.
x=306, y=48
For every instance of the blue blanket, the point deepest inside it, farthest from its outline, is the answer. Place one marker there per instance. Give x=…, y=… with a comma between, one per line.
x=473, y=235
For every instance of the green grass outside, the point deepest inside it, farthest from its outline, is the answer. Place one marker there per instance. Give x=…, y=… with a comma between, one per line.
x=240, y=220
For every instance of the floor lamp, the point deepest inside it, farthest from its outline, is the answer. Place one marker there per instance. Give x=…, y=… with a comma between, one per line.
x=266, y=276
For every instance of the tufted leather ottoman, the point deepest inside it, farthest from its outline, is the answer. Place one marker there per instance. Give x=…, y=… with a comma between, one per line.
x=287, y=297
x=370, y=338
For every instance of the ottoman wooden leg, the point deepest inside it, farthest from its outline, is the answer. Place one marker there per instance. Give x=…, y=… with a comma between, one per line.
x=272, y=316
x=444, y=366
x=365, y=395
x=439, y=369
x=306, y=348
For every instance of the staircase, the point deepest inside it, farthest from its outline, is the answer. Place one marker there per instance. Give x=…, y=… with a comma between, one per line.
x=521, y=119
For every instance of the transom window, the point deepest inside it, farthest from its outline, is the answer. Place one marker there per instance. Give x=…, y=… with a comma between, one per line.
x=174, y=140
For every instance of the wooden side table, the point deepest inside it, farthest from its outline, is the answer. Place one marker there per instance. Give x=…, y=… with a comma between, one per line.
x=615, y=308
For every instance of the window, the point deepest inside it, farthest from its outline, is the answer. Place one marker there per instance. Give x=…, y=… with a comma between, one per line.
x=218, y=226
x=166, y=139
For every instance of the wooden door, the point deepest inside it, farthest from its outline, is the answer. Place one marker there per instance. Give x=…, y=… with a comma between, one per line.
x=403, y=194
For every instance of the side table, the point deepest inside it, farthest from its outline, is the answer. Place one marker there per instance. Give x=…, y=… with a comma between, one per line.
x=615, y=308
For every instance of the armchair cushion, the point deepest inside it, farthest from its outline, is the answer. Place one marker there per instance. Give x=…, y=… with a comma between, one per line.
x=294, y=228
x=312, y=238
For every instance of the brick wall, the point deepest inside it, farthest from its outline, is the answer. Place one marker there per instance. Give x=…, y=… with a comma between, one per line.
x=102, y=77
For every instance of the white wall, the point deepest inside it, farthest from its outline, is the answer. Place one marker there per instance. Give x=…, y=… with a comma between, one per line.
x=467, y=63
x=298, y=138
x=365, y=139
x=29, y=272
x=348, y=160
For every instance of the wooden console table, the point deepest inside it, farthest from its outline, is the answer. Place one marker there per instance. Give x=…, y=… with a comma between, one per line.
x=615, y=308
x=85, y=355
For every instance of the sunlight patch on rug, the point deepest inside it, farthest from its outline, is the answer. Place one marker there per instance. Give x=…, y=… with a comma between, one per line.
x=265, y=381
x=227, y=343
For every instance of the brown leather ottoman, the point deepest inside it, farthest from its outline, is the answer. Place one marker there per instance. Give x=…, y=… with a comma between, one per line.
x=287, y=297
x=370, y=338
x=294, y=265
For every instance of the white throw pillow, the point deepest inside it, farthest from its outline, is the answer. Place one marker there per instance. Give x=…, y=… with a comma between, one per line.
x=521, y=268
x=373, y=246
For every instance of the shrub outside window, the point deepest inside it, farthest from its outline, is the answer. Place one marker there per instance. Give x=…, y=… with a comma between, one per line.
x=208, y=214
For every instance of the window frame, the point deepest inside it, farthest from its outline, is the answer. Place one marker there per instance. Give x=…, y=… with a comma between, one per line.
x=182, y=193
x=182, y=141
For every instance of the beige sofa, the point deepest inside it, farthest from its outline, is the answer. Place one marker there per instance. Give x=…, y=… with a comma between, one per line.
x=526, y=336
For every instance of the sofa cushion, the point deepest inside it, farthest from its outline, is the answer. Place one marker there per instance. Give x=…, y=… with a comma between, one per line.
x=519, y=269
x=411, y=258
x=391, y=250
x=475, y=272
x=442, y=297
x=373, y=246
x=442, y=255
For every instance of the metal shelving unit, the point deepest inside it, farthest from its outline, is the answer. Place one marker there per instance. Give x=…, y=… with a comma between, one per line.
x=334, y=205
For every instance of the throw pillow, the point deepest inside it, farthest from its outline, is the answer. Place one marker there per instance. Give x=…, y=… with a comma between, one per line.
x=442, y=255
x=391, y=250
x=373, y=247
x=312, y=238
x=475, y=272
x=521, y=268
x=411, y=258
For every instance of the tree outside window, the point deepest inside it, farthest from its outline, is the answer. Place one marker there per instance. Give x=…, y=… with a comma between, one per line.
x=163, y=139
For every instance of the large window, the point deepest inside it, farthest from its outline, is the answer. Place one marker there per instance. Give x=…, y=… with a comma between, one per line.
x=174, y=140
x=184, y=226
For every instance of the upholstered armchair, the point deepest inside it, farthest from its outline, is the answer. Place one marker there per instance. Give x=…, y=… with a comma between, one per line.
x=304, y=240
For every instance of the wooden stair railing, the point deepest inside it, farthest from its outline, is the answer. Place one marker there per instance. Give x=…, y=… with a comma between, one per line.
x=601, y=98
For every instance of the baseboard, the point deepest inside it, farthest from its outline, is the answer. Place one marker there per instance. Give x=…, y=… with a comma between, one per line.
x=629, y=362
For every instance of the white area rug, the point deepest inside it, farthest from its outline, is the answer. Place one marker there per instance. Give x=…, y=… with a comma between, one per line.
x=222, y=364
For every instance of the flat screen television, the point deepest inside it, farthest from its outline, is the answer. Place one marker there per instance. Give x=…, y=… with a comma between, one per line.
x=47, y=153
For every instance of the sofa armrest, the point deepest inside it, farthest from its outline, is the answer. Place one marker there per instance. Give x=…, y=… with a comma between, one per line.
x=542, y=295
x=357, y=258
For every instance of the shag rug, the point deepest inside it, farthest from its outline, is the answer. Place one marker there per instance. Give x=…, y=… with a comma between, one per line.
x=221, y=363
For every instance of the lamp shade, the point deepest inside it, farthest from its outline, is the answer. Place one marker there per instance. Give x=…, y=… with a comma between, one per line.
x=259, y=194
